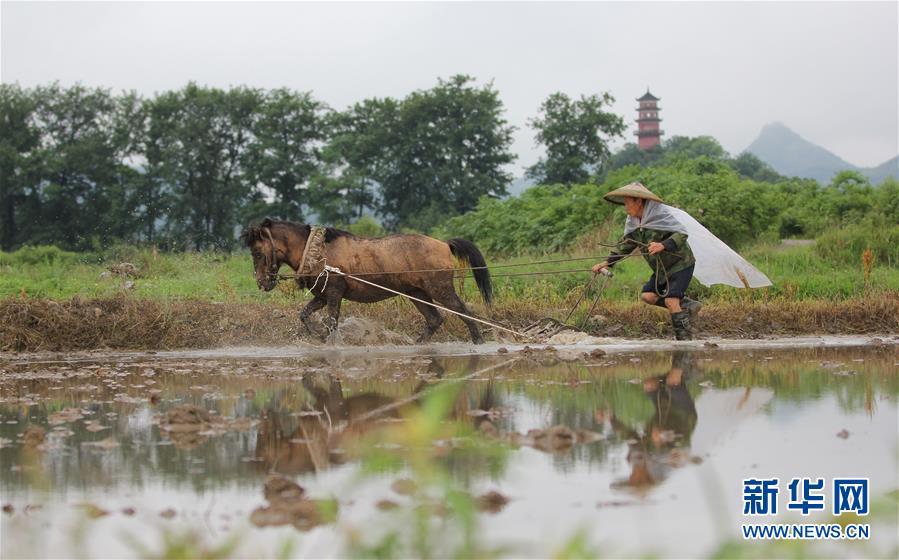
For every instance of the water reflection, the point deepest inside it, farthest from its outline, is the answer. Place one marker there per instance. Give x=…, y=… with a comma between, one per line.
x=664, y=441
x=635, y=423
x=315, y=437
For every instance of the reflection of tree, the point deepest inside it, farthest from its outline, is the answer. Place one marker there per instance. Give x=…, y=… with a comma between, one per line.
x=663, y=442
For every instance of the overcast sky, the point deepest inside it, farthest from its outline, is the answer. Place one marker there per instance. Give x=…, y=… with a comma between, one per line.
x=826, y=70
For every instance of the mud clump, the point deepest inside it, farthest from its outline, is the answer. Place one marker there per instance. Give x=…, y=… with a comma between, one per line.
x=555, y=439
x=355, y=331
x=386, y=505
x=404, y=486
x=189, y=425
x=104, y=444
x=280, y=490
x=492, y=502
x=65, y=416
x=34, y=436
x=186, y=425
x=185, y=418
x=544, y=356
x=573, y=337
x=92, y=511
x=288, y=505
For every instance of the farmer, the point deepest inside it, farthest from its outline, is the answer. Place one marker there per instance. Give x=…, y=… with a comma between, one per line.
x=662, y=239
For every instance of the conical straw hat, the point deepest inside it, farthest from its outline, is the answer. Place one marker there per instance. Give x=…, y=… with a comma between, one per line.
x=635, y=190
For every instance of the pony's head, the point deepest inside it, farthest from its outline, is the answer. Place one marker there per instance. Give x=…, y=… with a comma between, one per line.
x=268, y=254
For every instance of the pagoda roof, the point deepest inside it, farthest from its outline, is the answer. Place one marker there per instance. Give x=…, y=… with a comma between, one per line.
x=648, y=97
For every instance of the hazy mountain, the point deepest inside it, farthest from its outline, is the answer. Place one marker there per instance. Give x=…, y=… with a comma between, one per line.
x=520, y=185
x=884, y=170
x=794, y=156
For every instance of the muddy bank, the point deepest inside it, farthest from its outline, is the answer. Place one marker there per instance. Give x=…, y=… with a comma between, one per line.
x=31, y=325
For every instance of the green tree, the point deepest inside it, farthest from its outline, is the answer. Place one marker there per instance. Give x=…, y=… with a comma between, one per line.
x=682, y=148
x=750, y=166
x=361, y=155
x=576, y=135
x=430, y=156
x=206, y=163
x=154, y=196
x=19, y=138
x=632, y=154
x=81, y=165
x=286, y=151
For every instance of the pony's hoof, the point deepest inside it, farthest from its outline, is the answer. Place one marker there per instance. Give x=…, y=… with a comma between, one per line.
x=424, y=338
x=478, y=341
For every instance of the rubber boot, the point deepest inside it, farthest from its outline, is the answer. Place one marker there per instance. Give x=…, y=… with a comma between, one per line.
x=686, y=304
x=692, y=306
x=681, y=323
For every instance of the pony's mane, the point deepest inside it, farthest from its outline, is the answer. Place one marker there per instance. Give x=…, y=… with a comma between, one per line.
x=252, y=234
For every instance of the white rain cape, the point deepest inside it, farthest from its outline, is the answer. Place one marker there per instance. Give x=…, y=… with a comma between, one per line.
x=716, y=263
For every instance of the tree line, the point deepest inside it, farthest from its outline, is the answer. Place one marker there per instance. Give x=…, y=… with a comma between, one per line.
x=83, y=168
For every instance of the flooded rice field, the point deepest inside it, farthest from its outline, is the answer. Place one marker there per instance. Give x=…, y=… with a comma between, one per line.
x=436, y=452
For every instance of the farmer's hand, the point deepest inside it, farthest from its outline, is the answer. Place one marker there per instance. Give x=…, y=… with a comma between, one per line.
x=655, y=248
x=597, y=268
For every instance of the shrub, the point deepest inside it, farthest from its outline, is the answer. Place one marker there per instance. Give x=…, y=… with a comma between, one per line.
x=846, y=245
x=366, y=226
x=544, y=218
x=37, y=255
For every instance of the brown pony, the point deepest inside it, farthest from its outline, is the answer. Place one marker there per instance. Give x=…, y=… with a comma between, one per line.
x=383, y=261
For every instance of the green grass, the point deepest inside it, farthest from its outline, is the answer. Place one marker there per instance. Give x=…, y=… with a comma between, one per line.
x=798, y=273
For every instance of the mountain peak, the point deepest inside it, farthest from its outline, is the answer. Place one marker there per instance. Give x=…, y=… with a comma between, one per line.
x=790, y=154
x=777, y=126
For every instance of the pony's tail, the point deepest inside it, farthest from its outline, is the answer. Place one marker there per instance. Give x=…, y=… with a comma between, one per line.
x=468, y=252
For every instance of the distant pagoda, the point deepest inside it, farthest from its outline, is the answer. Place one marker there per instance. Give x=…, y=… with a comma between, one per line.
x=648, y=131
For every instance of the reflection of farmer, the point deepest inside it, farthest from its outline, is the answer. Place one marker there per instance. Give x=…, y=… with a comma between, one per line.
x=663, y=242
x=666, y=438
x=660, y=232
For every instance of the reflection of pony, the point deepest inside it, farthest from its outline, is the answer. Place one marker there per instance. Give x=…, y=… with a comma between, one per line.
x=324, y=435
x=312, y=445
x=415, y=265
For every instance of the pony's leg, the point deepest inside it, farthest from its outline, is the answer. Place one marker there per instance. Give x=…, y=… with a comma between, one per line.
x=334, y=297
x=451, y=300
x=311, y=307
x=433, y=318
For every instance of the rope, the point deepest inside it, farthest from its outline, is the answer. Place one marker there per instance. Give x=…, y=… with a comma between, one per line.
x=396, y=404
x=491, y=267
x=602, y=289
x=336, y=270
x=581, y=297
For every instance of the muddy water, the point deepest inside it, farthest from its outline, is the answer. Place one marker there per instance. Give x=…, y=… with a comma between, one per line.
x=115, y=456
